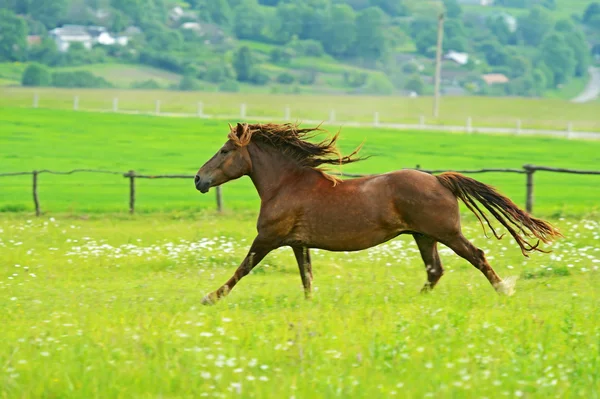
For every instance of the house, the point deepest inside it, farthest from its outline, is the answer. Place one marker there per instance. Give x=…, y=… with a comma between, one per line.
x=87, y=35
x=459, y=58
x=68, y=34
x=495, y=78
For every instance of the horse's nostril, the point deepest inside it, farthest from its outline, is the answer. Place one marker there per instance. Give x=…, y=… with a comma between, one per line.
x=196, y=179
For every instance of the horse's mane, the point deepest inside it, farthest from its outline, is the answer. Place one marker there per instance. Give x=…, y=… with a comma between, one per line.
x=292, y=141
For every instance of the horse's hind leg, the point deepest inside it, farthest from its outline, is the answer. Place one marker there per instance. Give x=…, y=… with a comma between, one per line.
x=428, y=248
x=304, y=264
x=465, y=249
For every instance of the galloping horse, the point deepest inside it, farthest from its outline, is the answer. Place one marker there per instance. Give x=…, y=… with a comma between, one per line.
x=303, y=207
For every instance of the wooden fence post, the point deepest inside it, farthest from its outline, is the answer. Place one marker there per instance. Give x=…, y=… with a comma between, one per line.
x=36, y=200
x=376, y=119
x=36, y=99
x=157, y=107
x=75, y=103
x=529, y=171
x=200, y=109
x=219, y=199
x=332, y=116
x=287, y=113
x=115, y=104
x=131, y=175
x=243, y=111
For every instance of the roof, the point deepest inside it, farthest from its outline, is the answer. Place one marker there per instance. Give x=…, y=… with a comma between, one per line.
x=34, y=40
x=495, y=78
x=459, y=58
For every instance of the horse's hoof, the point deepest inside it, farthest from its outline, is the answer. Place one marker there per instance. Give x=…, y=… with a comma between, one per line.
x=208, y=300
x=507, y=286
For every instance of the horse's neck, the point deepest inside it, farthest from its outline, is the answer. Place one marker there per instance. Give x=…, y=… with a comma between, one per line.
x=270, y=169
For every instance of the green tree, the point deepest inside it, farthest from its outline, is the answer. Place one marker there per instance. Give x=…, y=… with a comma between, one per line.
x=559, y=57
x=415, y=83
x=45, y=52
x=518, y=66
x=289, y=23
x=243, y=64
x=425, y=41
x=500, y=30
x=249, y=21
x=49, y=12
x=36, y=75
x=340, y=30
x=495, y=54
x=591, y=12
x=535, y=26
x=453, y=9
x=394, y=8
x=540, y=81
x=13, y=37
x=577, y=42
x=371, y=40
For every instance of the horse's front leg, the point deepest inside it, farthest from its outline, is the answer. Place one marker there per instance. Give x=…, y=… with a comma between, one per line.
x=303, y=258
x=259, y=249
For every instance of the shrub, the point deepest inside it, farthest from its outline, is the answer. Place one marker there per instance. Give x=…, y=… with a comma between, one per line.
x=285, y=78
x=188, y=83
x=230, y=86
x=308, y=77
x=260, y=78
x=36, y=75
x=78, y=79
x=415, y=83
x=149, y=84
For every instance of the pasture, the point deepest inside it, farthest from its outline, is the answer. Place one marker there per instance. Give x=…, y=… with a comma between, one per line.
x=110, y=307
x=97, y=303
x=64, y=140
x=550, y=114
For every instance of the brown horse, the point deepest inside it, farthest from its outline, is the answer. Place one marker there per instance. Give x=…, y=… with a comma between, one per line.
x=303, y=207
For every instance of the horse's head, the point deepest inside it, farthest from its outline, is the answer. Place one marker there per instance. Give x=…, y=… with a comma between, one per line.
x=231, y=162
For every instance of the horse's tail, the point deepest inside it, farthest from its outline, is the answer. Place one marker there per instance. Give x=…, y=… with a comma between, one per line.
x=518, y=222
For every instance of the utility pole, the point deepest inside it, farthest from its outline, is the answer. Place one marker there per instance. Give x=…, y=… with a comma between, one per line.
x=438, y=66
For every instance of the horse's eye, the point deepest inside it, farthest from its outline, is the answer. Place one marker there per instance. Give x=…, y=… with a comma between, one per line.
x=224, y=151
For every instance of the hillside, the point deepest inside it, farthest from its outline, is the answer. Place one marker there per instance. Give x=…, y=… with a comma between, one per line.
x=319, y=46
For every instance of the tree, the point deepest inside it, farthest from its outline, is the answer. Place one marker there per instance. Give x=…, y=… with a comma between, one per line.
x=243, y=64
x=495, y=54
x=371, y=40
x=519, y=66
x=45, y=52
x=340, y=31
x=559, y=57
x=289, y=23
x=535, y=25
x=539, y=80
x=500, y=29
x=577, y=42
x=49, y=12
x=13, y=37
x=425, y=41
x=453, y=9
x=415, y=83
x=394, y=8
x=590, y=12
x=36, y=75
x=248, y=21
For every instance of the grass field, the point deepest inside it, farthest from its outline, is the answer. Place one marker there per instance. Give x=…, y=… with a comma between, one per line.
x=495, y=112
x=110, y=307
x=65, y=140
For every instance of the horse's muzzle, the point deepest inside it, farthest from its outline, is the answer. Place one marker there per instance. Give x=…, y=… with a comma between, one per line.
x=202, y=185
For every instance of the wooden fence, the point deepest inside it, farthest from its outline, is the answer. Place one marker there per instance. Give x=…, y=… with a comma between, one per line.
x=528, y=170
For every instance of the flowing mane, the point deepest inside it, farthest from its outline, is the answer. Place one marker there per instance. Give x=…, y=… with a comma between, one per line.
x=292, y=141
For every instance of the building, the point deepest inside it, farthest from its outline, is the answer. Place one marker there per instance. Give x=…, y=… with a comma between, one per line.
x=495, y=78
x=86, y=35
x=459, y=58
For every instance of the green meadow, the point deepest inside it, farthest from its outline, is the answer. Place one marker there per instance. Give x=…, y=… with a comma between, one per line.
x=65, y=140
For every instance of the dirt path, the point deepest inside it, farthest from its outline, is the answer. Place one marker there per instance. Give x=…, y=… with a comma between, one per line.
x=592, y=90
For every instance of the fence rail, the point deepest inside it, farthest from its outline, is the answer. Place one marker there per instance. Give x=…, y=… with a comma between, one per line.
x=528, y=170
x=568, y=130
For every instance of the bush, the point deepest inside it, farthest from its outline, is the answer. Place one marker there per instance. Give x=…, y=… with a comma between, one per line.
x=379, y=84
x=308, y=77
x=285, y=78
x=281, y=56
x=230, y=86
x=415, y=83
x=162, y=61
x=149, y=84
x=260, y=78
x=409, y=68
x=188, y=83
x=309, y=48
x=78, y=79
x=36, y=75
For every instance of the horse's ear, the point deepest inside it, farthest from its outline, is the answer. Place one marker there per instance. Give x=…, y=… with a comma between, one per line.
x=240, y=129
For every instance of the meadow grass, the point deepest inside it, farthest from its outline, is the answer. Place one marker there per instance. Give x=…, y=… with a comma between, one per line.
x=65, y=140
x=551, y=113
x=110, y=307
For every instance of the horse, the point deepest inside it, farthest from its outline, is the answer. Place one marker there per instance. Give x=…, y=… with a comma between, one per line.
x=304, y=207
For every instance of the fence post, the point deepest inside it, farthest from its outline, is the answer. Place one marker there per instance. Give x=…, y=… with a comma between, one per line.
x=36, y=200
x=35, y=100
x=569, y=129
x=200, y=110
x=243, y=111
x=219, y=199
x=469, y=125
x=332, y=116
x=115, y=104
x=287, y=113
x=75, y=103
x=518, y=126
x=376, y=119
x=157, y=107
x=529, y=170
x=422, y=121
x=131, y=175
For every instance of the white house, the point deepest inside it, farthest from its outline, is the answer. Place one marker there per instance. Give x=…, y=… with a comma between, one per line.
x=68, y=34
x=459, y=58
